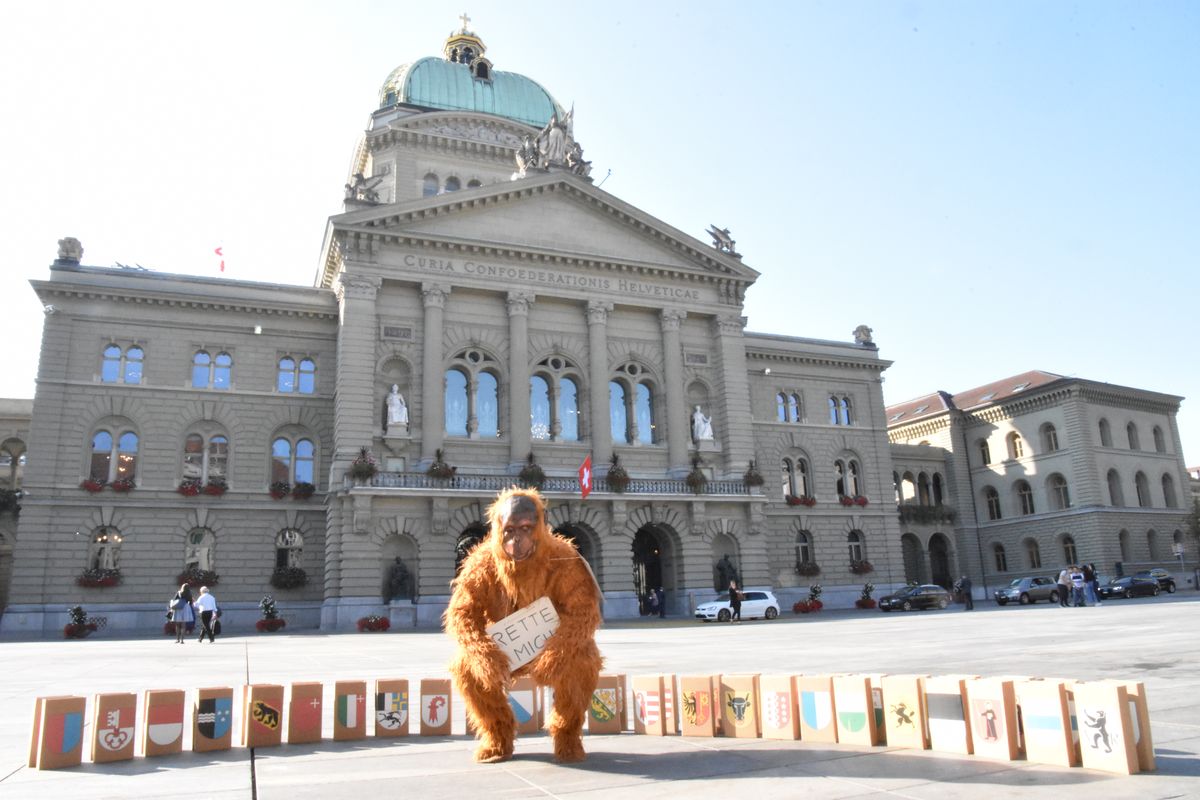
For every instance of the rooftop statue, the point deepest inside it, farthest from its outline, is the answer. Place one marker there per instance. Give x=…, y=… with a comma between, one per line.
x=363, y=189
x=723, y=241
x=69, y=249
x=862, y=335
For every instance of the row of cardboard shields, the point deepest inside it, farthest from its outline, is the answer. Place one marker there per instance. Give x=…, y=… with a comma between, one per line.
x=1102, y=725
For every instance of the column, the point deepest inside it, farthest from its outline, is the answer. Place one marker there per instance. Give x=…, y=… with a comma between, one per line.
x=518, y=372
x=601, y=425
x=433, y=410
x=736, y=429
x=356, y=409
x=674, y=396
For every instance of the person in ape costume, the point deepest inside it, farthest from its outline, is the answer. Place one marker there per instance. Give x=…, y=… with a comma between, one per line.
x=519, y=561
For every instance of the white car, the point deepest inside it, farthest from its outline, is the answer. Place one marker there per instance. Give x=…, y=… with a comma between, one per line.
x=755, y=604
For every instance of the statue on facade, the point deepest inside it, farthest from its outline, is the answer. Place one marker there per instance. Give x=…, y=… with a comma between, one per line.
x=198, y=556
x=723, y=241
x=362, y=189
x=575, y=160
x=395, y=583
x=554, y=140
x=69, y=249
x=726, y=572
x=701, y=426
x=862, y=335
x=397, y=410
x=527, y=157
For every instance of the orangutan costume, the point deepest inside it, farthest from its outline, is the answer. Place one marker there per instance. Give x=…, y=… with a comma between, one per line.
x=518, y=562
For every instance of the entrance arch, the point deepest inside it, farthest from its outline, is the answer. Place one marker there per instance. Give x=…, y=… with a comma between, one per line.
x=914, y=567
x=653, y=562
x=939, y=560
x=471, y=536
x=584, y=541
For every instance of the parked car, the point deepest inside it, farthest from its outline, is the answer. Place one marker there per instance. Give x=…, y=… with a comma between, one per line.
x=1027, y=590
x=1164, y=578
x=919, y=597
x=1129, y=586
x=755, y=604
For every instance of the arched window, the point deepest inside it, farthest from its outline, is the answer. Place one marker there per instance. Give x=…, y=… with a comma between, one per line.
x=122, y=367
x=1123, y=543
x=200, y=550
x=205, y=458
x=616, y=412
x=854, y=544
x=644, y=413
x=804, y=547
x=1060, y=496
x=896, y=487
x=795, y=408
x=844, y=411
x=209, y=372
x=1069, y=552
x=1168, y=487
x=114, y=459
x=472, y=399
x=289, y=547
x=554, y=401
x=1001, y=558
x=908, y=487
x=922, y=489
x=1024, y=497
x=1049, y=438
x=453, y=184
x=1116, y=495
x=833, y=411
x=105, y=549
x=788, y=476
x=474, y=183
x=431, y=185
x=985, y=452
x=1152, y=545
x=1105, y=434
x=1016, y=447
x=939, y=495
x=293, y=460
x=839, y=475
x=992, y=498
x=855, y=487
x=1160, y=442
x=1132, y=432
x=781, y=409
x=1143, y=489
x=802, y=483
x=296, y=377
x=1033, y=554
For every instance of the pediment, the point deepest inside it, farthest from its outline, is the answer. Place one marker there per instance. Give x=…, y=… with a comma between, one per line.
x=554, y=215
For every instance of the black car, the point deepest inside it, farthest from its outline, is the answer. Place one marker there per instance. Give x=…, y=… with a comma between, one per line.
x=1129, y=586
x=919, y=597
x=1161, y=576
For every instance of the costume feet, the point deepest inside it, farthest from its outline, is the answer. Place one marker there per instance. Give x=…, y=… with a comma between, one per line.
x=568, y=749
x=492, y=753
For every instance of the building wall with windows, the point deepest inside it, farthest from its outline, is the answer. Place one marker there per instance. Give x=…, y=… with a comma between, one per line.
x=14, y=435
x=1050, y=470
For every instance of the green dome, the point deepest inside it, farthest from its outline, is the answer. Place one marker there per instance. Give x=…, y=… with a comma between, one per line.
x=434, y=82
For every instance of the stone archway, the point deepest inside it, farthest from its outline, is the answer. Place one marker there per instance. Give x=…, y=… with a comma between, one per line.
x=585, y=542
x=398, y=556
x=467, y=540
x=654, y=562
x=939, y=560
x=914, y=564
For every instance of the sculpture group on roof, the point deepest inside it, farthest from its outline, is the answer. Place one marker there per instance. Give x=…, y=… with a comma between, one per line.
x=554, y=146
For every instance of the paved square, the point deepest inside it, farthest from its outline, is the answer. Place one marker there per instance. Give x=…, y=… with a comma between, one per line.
x=1152, y=640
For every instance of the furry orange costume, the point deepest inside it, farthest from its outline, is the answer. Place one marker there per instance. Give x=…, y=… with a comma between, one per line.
x=519, y=561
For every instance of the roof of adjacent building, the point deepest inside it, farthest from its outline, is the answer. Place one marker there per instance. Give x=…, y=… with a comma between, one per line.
x=434, y=82
x=988, y=394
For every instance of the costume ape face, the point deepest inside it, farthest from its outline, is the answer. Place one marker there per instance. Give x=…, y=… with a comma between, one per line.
x=520, y=561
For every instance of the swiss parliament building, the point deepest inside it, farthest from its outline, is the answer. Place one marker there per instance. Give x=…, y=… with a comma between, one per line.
x=483, y=314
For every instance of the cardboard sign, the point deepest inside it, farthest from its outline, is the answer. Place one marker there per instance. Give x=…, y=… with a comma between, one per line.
x=1139, y=713
x=992, y=709
x=1106, y=728
x=698, y=697
x=304, y=712
x=818, y=720
x=670, y=714
x=525, y=700
x=946, y=707
x=855, y=706
x=391, y=707
x=349, y=710
x=212, y=719
x=904, y=711
x=57, y=739
x=163, y=733
x=262, y=715
x=114, y=719
x=739, y=706
x=604, y=711
x=523, y=635
x=1046, y=722
x=648, y=705
x=435, y=707
x=780, y=715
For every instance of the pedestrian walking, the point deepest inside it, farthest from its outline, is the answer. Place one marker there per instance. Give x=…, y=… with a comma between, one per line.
x=1064, y=586
x=206, y=605
x=735, y=602
x=662, y=602
x=964, y=587
x=180, y=609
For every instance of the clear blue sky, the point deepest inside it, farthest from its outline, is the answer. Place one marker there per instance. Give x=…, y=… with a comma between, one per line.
x=993, y=187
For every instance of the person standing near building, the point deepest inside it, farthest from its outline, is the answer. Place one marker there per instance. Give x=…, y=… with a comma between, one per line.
x=1064, y=586
x=1077, y=584
x=964, y=586
x=181, y=611
x=662, y=602
x=206, y=604
x=735, y=602
x=1089, y=585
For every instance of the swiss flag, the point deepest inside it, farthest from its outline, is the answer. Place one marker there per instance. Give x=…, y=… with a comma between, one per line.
x=585, y=477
